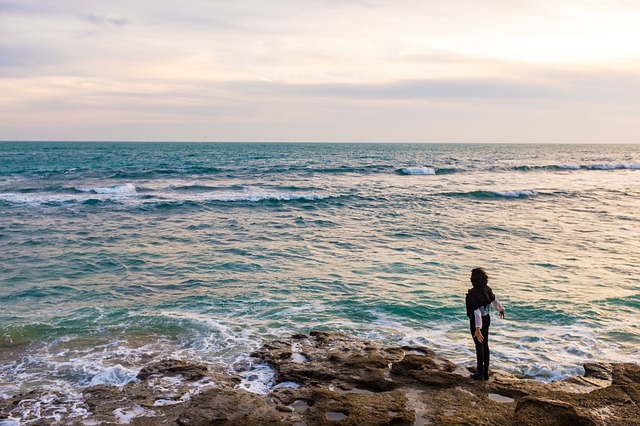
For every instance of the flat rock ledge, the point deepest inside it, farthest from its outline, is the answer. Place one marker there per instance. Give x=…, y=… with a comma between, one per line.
x=333, y=378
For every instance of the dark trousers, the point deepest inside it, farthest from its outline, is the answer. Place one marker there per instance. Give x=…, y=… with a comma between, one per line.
x=482, y=348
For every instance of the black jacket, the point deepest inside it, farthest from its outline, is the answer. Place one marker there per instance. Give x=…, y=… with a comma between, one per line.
x=477, y=297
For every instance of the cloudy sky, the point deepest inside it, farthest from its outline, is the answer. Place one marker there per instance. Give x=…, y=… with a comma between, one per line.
x=321, y=70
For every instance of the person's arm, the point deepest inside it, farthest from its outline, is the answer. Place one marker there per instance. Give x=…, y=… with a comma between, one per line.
x=477, y=316
x=498, y=307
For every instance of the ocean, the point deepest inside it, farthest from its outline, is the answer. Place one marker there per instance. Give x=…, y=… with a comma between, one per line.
x=118, y=254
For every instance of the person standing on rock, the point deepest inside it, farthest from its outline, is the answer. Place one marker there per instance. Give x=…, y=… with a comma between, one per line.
x=479, y=300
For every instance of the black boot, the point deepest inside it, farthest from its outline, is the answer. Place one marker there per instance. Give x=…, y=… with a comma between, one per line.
x=485, y=374
x=478, y=375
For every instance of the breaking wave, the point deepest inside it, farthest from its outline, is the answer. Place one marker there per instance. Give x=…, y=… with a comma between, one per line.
x=127, y=188
x=417, y=171
x=128, y=195
x=425, y=171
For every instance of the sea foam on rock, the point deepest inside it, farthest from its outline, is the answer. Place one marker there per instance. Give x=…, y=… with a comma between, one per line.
x=341, y=379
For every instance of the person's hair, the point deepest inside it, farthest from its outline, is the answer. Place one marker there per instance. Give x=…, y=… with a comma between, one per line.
x=479, y=277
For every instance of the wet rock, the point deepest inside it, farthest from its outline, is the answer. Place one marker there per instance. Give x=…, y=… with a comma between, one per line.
x=578, y=385
x=229, y=407
x=387, y=408
x=438, y=378
x=626, y=374
x=347, y=365
x=414, y=362
x=532, y=411
x=627, y=377
x=340, y=379
x=160, y=395
x=419, y=350
x=429, y=370
x=172, y=367
x=459, y=406
x=347, y=361
x=336, y=358
x=598, y=370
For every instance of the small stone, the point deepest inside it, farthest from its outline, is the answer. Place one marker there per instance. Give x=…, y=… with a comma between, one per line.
x=285, y=408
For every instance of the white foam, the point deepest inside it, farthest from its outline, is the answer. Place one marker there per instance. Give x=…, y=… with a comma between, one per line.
x=606, y=166
x=226, y=340
x=252, y=195
x=116, y=192
x=55, y=406
x=620, y=166
x=288, y=197
x=36, y=199
x=125, y=416
x=230, y=342
x=127, y=188
x=569, y=166
x=540, y=358
x=515, y=194
x=114, y=376
x=63, y=371
x=419, y=170
x=172, y=390
x=259, y=379
x=128, y=194
x=165, y=402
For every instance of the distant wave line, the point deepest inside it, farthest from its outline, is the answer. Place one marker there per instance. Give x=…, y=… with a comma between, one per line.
x=305, y=170
x=493, y=194
x=425, y=171
x=129, y=195
x=568, y=167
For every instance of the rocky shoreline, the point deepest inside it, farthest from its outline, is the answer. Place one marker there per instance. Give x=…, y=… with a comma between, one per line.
x=333, y=378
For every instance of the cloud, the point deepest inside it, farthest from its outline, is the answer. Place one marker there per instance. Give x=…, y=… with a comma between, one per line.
x=334, y=65
x=14, y=57
x=426, y=90
x=8, y=7
x=564, y=86
x=105, y=21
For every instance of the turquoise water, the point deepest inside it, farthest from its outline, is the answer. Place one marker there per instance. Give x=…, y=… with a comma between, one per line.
x=116, y=254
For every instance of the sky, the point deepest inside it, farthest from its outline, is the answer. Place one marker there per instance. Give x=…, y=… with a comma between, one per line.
x=455, y=71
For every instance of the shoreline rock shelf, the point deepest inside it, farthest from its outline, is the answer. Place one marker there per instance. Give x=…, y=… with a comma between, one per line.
x=333, y=378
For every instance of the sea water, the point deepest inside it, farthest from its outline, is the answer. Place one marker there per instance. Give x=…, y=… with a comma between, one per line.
x=118, y=254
